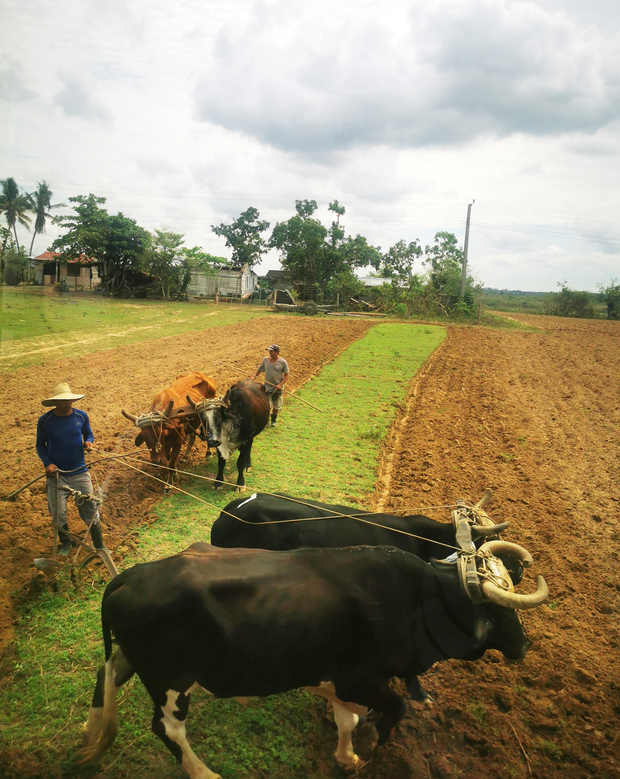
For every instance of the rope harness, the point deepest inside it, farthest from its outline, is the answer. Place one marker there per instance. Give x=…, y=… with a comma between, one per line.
x=474, y=566
x=359, y=517
x=202, y=407
x=154, y=420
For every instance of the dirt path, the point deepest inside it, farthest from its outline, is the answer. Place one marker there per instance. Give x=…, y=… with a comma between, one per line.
x=534, y=416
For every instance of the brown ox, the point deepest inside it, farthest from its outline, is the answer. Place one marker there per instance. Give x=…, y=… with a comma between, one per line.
x=162, y=430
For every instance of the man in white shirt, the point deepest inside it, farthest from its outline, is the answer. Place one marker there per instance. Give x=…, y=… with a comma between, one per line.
x=276, y=373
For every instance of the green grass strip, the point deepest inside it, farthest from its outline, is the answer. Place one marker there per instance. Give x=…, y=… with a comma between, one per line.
x=330, y=455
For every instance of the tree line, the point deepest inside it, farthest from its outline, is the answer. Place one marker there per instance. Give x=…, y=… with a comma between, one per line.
x=580, y=304
x=320, y=260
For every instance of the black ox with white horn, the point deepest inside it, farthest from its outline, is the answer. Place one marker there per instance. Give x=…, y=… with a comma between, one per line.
x=338, y=622
x=231, y=423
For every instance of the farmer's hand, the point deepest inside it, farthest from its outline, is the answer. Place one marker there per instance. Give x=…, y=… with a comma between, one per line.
x=49, y=470
x=88, y=445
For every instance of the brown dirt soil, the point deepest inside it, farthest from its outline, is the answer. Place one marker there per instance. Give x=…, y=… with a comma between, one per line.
x=536, y=417
x=533, y=415
x=128, y=377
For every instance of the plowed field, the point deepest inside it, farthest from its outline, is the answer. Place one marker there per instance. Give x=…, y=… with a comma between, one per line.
x=533, y=415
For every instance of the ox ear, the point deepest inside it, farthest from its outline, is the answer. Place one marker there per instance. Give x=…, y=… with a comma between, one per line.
x=139, y=440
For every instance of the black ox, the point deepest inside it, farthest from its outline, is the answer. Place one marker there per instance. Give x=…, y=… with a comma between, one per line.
x=339, y=622
x=280, y=522
x=231, y=423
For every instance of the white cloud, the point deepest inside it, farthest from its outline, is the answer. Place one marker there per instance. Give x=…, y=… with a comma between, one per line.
x=187, y=114
x=330, y=77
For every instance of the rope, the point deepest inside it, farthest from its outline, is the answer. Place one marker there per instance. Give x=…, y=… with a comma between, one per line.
x=79, y=497
x=358, y=517
x=151, y=419
x=287, y=392
x=15, y=493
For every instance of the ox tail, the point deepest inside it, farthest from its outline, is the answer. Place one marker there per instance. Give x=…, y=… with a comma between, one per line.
x=104, y=726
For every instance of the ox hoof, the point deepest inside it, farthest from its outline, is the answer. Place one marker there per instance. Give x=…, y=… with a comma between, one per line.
x=240, y=489
x=351, y=767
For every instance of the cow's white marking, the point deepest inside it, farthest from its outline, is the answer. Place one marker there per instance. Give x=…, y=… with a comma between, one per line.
x=175, y=730
x=346, y=716
x=346, y=722
x=92, y=726
x=253, y=496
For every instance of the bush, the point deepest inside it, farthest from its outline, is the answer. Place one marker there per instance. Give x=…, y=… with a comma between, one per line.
x=569, y=302
x=15, y=265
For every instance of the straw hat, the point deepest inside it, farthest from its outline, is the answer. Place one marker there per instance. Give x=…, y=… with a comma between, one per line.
x=61, y=391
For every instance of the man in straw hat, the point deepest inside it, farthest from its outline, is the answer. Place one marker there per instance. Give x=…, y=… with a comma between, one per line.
x=63, y=435
x=276, y=373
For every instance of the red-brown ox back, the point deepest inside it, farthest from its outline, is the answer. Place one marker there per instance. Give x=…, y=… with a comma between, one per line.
x=164, y=441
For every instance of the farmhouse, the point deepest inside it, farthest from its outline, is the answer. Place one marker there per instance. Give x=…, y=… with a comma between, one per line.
x=80, y=273
x=234, y=281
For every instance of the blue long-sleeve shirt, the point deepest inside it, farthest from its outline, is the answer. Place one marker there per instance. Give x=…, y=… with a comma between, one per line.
x=60, y=440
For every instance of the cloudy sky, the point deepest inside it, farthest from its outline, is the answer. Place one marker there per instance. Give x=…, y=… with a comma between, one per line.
x=185, y=114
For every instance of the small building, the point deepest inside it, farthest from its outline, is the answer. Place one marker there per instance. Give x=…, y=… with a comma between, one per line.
x=230, y=281
x=80, y=273
x=278, y=279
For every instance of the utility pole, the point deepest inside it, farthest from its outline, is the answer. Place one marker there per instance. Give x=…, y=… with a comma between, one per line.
x=464, y=274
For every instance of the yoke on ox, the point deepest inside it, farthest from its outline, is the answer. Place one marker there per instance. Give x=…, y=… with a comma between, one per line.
x=339, y=622
x=163, y=429
x=281, y=522
x=231, y=423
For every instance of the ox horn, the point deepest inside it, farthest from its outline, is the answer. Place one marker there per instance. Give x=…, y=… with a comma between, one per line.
x=168, y=410
x=484, y=531
x=130, y=417
x=191, y=402
x=513, y=600
x=505, y=547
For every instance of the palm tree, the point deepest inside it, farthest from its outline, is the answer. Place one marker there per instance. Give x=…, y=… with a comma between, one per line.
x=41, y=204
x=15, y=207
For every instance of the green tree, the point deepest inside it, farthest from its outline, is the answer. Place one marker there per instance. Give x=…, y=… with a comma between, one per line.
x=315, y=255
x=117, y=243
x=164, y=259
x=301, y=243
x=197, y=259
x=41, y=204
x=15, y=264
x=569, y=302
x=15, y=206
x=398, y=261
x=445, y=262
x=346, y=284
x=337, y=209
x=611, y=296
x=243, y=236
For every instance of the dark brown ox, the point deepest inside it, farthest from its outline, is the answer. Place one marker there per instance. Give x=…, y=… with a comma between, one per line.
x=163, y=429
x=231, y=423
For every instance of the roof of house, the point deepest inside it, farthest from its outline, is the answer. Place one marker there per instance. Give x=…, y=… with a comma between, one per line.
x=47, y=256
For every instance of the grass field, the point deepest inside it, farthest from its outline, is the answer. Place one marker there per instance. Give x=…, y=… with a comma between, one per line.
x=37, y=325
x=331, y=455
